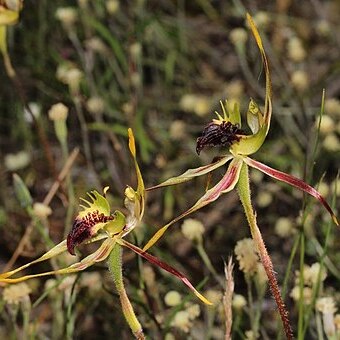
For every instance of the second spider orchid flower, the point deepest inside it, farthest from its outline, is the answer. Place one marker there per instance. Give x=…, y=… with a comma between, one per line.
x=95, y=222
x=226, y=131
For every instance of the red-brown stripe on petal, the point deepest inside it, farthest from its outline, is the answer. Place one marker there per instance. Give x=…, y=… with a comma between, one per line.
x=295, y=182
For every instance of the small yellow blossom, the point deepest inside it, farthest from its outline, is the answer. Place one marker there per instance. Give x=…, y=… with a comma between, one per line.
x=169, y=336
x=332, y=107
x=182, y=321
x=239, y=301
x=67, y=16
x=135, y=50
x=192, y=229
x=202, y=106
x=249, y=335
x=17, y=161
x=172, y=298
x=95, y=105
x=194, y=311
x=327, y=124
x=238, y=36
x=149, y=276
x=70, y=75
x=264, y=198
x=16, y=293
x=307, y=294
x=323, y=28
x=214, y=296
x=58, y=112
x=41, y=210
x=331, y=143
x=187, y=102
x=284, y=227
x=300, y=80
x=112, y=6
x=326, y=306
x=323, y=189
x=310, y=274
x=296, y=51
x=262, y=20
x=97, y=45
x=247, y=256
x=177, y=130
x=261, y=276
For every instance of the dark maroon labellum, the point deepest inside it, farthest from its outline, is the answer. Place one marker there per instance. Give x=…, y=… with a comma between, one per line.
x=82, y=229
x=224, y=134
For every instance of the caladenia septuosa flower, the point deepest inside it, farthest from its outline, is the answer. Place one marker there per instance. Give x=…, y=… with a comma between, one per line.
x=94, y=223
x=227, y=131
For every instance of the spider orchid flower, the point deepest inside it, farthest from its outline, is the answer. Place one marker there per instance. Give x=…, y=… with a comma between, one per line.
x=95, y=222
x=227, y=131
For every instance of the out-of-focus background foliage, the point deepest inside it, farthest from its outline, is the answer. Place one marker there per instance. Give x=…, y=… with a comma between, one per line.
x=161, y=67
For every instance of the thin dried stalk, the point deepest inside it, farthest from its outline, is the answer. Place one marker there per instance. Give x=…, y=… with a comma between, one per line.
x=228, y=297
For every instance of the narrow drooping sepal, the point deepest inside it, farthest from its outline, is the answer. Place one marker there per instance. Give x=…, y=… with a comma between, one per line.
x=192, y=173
x=226, y=184
x=294, y=181
x=154, y=260
x=99, y=255
x=55, y=251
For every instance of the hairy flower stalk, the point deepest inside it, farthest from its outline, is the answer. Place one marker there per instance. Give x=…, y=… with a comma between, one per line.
x=116, y=268
x=243, y=189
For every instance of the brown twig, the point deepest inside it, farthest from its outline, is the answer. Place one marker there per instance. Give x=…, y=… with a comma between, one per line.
x=47, y=200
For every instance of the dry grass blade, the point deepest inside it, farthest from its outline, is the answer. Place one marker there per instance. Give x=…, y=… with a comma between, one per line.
x=228, y=297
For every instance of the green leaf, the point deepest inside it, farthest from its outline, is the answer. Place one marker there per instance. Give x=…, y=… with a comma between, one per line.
x=22, y=192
